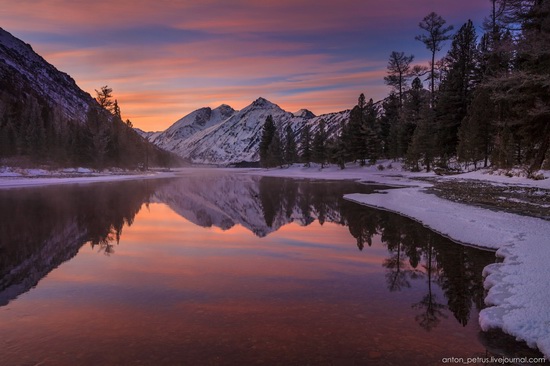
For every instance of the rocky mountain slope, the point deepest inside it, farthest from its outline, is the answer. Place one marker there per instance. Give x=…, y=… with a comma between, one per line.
x=22, y=68
x=45, y=118
x=225, y=136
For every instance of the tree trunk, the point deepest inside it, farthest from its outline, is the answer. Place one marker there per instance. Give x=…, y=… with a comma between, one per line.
x=541, y=154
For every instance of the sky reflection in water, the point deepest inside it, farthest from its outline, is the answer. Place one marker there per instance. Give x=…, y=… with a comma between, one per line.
x=228, y=269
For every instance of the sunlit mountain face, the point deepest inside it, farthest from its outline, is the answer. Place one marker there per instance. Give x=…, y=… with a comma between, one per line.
x=226, y=136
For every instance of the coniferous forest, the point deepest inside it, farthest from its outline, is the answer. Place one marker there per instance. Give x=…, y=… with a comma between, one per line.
x=35, y=132
x=485, y=103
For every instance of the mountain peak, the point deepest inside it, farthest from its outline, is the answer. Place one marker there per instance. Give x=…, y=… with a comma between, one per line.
x=262, y=102
x=225, y=109
x=304, y=113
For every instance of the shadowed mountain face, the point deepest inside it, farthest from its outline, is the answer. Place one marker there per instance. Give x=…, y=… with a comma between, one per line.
x=24, y=71
x=42, y=228
x=46, y=118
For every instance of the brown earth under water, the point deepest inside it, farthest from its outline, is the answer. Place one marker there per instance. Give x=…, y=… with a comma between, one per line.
x=528, y=201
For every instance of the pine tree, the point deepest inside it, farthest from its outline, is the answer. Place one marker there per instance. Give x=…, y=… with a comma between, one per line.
x=422, y=147
x=355, y=131
x=319, y=148
x=104, y=97
x=389, y=124
x=437, y=34
x=275, y=151
x=340, y=152
x=290, y=151
x=99, y=132
x=399, y=71
x=456, y=89
x=305, y=145
x=371, y=133
x=496, y=44
x=361, y=101
x=354, y=134
x=410, y=115
x=476, y=133
x=116, y=110
x=268, y=132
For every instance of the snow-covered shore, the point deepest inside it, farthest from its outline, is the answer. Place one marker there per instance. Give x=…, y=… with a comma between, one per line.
x=19, y=178
x=518, y=296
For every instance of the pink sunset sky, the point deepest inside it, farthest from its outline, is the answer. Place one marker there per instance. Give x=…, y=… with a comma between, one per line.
x=166, y=58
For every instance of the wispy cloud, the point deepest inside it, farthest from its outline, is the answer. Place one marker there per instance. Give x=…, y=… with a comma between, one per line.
x=166, y=59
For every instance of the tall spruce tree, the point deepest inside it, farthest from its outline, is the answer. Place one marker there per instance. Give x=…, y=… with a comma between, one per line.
x=305, y=145
x=275, y=151
x=290, y=151
x=456, y=89
x=476, y=133
x=423, y=148
x=355, y=131
x=355, y=136
x=319, y=146
x=268, y=132
x=341, y=149
x=409, y=118
x=389, y=123
x=371, y=133
x=417, y=127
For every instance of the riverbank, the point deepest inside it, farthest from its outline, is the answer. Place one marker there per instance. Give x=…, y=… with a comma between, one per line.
x=19, y=177
x=486, y=209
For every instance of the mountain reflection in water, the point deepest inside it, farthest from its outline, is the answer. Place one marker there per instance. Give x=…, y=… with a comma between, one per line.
x=43, y=228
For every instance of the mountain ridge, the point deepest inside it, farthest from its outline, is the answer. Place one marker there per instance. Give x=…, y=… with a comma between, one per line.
x=236, y=138
x=20, y=63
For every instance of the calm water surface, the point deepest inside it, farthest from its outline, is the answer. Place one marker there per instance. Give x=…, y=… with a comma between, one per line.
x=228, y=269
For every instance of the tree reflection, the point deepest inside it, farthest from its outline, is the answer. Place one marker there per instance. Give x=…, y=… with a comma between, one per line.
x=41, y=228
x=58, y=221
x=432, y=311
x=414, y=252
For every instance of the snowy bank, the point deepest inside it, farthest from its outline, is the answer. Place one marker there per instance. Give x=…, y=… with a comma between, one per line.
x=34, y=178
x=391, y=173
x=519, y=290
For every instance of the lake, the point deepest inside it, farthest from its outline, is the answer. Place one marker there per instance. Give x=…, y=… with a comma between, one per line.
x=221, y=269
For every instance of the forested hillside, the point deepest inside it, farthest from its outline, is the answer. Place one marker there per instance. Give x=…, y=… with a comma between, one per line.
x=45, y=118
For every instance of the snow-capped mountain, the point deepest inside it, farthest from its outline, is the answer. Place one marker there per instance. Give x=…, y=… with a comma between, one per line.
x=23, y=69
x=225, y=136
x=304, y=113
x=190, y=125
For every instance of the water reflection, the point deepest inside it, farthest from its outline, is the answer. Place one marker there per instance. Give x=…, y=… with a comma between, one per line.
x=42, y=228
x=424, y=272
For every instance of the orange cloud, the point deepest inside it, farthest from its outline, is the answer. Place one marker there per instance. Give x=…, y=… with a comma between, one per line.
x=166, y=60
